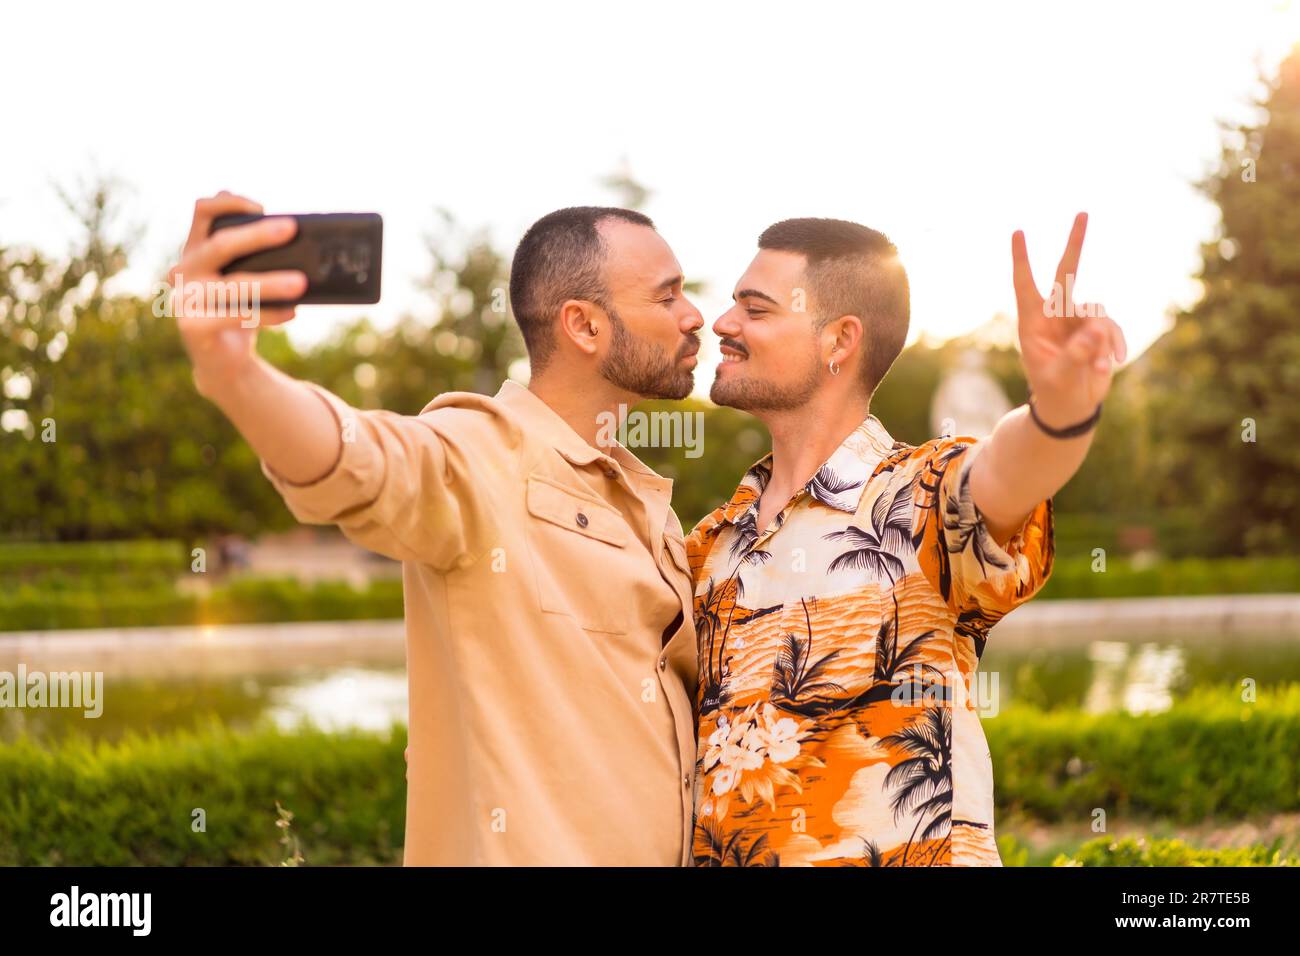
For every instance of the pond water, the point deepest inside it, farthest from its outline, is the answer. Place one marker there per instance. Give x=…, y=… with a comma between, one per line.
x=342, y=698
x=1138, y=676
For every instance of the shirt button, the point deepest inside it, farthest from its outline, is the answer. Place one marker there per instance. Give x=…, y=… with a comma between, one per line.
x=611, y=474
x=582, y=520
x=686, y=782
x=662, y=663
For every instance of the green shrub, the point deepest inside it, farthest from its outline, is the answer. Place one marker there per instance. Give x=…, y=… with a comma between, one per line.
x=1074, y=577
x=93, y=559
x=1129, y=851
x=1175, y=532
x=1208, y=755
x=1012, y=851
x=29, y=607
x=132, y=803
x=251, y=600
x=243, y=600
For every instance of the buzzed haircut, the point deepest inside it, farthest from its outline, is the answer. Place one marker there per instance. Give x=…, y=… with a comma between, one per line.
x=852, y=270
x=560, y=257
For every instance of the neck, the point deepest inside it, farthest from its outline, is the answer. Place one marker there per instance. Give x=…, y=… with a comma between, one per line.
x=803, y=438
x=586, y=406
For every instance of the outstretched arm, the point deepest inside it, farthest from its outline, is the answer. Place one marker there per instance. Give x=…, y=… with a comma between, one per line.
x=399, y=485
x=288, y=425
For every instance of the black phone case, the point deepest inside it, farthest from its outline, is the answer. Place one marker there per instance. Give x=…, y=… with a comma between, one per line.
x=340, y=252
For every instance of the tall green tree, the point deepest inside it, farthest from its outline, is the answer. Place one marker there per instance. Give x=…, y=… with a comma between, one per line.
x=1225, y=381
x=102, y=434
x=469, y=281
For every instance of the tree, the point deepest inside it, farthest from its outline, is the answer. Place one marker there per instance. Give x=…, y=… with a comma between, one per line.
x=469, y=281
x=1225, y=381
x=136, y=451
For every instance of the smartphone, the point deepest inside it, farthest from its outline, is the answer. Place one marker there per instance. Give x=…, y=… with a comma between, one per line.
x=341, y=254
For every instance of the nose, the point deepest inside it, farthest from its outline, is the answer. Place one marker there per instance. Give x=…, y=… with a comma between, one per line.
x=728, y=324
x=692, y=320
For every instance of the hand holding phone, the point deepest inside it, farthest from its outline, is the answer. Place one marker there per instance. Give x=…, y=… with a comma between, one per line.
x=219, y=334
x=340, y=253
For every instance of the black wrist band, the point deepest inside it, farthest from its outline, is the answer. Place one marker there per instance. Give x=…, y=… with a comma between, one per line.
x=1070, y=431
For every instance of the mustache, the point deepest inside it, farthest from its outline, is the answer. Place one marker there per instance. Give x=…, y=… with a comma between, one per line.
x=733, y=344
x=690, y=345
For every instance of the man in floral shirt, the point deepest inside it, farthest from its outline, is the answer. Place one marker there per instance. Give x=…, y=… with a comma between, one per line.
x=843, y=596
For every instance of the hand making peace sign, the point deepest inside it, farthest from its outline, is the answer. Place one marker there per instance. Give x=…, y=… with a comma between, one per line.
x=1066, y=348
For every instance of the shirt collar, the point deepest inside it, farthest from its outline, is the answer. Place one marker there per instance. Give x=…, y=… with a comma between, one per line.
x=542, y=421
x=838, y=483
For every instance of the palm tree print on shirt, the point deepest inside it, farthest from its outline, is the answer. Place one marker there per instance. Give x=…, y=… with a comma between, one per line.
x=828, y=712
x=880, y=550
x=730, y=849
x=708, y=622
x=794, y=682
x=923, y=782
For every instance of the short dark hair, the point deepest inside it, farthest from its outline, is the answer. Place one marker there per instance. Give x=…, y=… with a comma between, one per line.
x=560, y=257
x=852, y=270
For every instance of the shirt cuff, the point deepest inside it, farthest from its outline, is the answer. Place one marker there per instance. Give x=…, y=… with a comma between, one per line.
x=1032, y=540
x=355, y=478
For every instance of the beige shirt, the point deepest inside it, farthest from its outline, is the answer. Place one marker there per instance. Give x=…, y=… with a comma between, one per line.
x=550, y=646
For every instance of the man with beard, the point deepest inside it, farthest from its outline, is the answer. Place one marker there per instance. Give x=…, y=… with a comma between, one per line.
x=844, y=595
x=550, y=648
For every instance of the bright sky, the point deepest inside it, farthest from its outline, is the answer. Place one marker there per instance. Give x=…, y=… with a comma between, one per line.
x=947, y=126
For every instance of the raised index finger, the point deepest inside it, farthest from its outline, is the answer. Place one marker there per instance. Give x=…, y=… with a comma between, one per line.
x=1027, y=297
x=206, y=210
x=1069, y=265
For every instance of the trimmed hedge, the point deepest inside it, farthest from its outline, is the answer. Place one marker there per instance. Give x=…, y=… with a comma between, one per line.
x=93, y=558
x=1074, y=578
x=48, y=586
x=242, y=601
x=131, y=803
x=1175, y=532
x=1208, y=755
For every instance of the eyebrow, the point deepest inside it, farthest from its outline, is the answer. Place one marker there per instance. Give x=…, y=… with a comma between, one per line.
x=669, y=283
x=753, y=294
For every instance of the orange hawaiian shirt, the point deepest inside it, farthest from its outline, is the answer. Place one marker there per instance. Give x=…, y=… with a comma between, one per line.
x=838, y=705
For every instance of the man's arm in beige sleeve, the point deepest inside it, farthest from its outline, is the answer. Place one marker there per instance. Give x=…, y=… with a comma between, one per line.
x=399, y=485
x=285, y=421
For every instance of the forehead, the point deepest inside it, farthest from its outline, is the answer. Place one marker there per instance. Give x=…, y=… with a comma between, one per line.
x=775, y=273
x=636, y=256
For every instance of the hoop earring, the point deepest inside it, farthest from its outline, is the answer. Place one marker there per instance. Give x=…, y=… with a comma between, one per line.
x=835, y=369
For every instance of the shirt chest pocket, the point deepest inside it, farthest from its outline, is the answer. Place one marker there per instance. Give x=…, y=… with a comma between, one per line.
x=578, y=545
